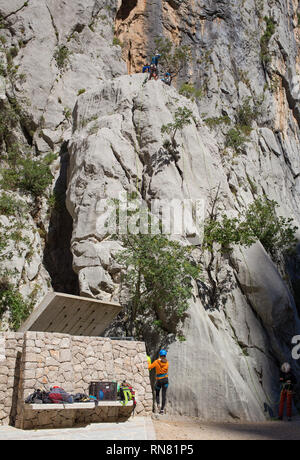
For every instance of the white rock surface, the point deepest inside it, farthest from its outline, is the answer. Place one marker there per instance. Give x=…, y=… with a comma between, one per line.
x=226, y=368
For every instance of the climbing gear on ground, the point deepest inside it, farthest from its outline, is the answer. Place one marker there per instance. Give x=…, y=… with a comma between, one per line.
x=81, y=397
x=104, y=391
x=58, y=395
x=38, y=397
x=127, y=394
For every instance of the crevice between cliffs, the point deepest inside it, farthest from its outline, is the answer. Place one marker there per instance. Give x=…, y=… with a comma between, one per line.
x=58, y=258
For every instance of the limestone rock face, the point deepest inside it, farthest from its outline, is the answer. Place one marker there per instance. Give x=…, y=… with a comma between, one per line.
x=63, y=61
x=51, y=53
x=228, y=355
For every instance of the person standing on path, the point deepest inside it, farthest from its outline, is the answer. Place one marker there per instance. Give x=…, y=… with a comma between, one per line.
x=161, y=366
x=288, y=381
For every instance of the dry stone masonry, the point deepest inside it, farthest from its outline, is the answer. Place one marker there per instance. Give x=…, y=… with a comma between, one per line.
x=37, y=360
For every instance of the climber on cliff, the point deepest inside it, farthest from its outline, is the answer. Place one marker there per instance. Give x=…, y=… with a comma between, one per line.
x=288, y=381
x=167, y=79
x=161, y=366
x=146, y=68
x=154, y=66
x=153, y=72
x=155, y=59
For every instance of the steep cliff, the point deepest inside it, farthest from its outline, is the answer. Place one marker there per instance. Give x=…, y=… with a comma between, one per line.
x=63, y=56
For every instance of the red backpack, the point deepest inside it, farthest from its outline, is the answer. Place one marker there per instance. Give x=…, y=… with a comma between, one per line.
x=58, y=395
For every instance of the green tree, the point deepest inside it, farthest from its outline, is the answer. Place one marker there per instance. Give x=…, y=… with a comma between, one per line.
x=276, y=233
x=259, y=222
x=221, y=233
x=173, y=58
x=158, y=276
x=183, y=117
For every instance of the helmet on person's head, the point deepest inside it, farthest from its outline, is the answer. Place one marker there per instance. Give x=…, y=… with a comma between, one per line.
x=286, y=367
x=168, y=74
x=163, y=353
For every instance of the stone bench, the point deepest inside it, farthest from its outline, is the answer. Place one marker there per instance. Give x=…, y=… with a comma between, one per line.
x=76, y=406
x=69, y=415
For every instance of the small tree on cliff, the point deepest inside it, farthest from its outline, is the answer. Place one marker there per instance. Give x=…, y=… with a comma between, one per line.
x=183, y=117
x=276, y=233
x=258, y=223
x=173, y=58
x=158, y=277
x=158, y=274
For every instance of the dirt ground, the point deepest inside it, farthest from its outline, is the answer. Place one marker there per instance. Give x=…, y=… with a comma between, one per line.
x=183, y=429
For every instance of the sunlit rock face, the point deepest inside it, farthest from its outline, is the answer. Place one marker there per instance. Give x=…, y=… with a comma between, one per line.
x=71, y=63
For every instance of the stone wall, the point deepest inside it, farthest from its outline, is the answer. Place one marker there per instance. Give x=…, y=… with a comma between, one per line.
x=10, y=361
x=41, y=360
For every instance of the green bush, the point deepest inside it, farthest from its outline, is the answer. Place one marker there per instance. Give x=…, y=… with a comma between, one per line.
x=117, y=42
x=216, y=121
x=188, y=90
x=235, y=139
x=265, y=40
x=10, y=115
x=29, y=175
x=9, y=206
x=276, y=233
x=62, y=55
x=12, y=301
x=246, y=115
x=173, y=58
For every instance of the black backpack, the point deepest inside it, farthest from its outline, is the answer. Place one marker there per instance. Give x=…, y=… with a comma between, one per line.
x=38, y=397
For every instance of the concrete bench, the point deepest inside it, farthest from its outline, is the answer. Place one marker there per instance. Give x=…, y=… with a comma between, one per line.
x=69, y=415
x=76, y=406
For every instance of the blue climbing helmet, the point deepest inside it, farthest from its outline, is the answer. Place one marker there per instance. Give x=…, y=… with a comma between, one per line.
x=163, y=353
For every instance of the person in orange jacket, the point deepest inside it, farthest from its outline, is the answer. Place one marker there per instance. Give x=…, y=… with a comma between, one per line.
x=161, y=366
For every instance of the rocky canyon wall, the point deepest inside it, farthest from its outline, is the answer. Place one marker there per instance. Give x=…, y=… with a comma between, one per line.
x=71, y=61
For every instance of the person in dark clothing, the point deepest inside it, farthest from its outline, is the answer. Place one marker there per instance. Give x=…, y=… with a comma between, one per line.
x=167, y=79
x=153, y=72
x=288, y=381
x=155, y=59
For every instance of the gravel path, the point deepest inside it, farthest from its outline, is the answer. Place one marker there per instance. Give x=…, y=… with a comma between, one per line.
x=193, y=429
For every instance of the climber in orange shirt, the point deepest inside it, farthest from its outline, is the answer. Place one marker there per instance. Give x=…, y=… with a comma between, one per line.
x=161, y=366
